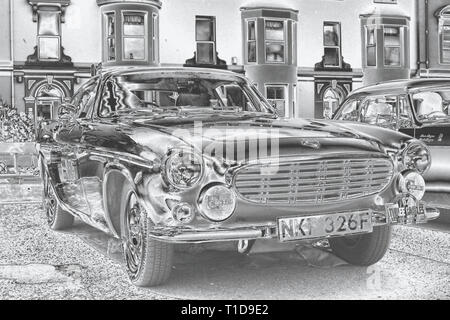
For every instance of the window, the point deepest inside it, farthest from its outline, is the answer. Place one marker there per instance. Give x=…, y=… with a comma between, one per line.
x=332, y=44
x=205, y=36
x=275, y=41
x=371, y=46
x=444, y=35
x=111, y=36
x=85, y=96
x=331, y=100
x=251, y=41
x=134, y=34
x=49, y=36
x=155, y=46
x=392, y=46
x=432, y=105
x=276, y=95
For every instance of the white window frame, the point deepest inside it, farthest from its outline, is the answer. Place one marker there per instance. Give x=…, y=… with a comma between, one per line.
x=339, y=46
x=155, y=44
x=247, y=41
x=106, y=46
x=401, y=47
x=284, y=86
x=213, y=42
x=145, y=36
x=374, y=27
x=284, y=42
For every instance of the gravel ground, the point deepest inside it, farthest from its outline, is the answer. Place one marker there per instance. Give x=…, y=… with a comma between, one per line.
x=37, y=263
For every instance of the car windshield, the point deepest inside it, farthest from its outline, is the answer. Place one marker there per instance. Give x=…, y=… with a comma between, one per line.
x=165, y=92
x=432, y=105
x=384, y=111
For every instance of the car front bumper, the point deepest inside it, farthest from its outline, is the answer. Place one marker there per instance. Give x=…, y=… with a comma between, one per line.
x=269, y=230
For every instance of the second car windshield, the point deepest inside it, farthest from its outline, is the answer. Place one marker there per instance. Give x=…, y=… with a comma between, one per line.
x=432, y=105
x=171, y=91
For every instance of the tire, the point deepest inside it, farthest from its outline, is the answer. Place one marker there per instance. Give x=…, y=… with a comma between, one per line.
x=148, y=261
x=57, y=218
x=363, y=250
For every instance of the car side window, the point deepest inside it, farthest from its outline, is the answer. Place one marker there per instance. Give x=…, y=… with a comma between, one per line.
x=349, y=111
x=85, y=97
x=380, y=111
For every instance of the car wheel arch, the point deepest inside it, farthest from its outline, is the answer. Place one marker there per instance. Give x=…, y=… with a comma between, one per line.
x=116, y=176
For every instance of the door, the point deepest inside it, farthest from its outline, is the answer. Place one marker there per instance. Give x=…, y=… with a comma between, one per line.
x=80, y=176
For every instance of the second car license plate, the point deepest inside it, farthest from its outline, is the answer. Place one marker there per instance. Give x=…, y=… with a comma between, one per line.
x=313, y=227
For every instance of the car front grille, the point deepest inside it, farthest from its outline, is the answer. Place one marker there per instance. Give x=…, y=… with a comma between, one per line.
x=311, y=182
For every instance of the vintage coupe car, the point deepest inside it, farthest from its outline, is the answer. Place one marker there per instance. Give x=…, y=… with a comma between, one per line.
x=163, y=156
x=419, y=108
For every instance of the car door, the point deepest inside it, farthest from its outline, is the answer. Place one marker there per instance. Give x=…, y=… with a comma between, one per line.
x=80, y=175
x=434, y=132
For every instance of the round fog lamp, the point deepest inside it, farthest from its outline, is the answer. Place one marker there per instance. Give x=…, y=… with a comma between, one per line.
x=413, y=183
x=217, y=203
x=183, y=213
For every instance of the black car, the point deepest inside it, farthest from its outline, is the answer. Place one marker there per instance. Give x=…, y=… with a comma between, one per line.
x=417, y=107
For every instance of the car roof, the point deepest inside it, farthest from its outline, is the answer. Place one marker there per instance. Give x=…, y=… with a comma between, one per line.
x=122, y=71
x=401, y=86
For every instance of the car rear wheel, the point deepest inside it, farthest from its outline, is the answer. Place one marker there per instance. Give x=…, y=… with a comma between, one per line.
x=57, y=218
x=363, y=250
x=148, y=261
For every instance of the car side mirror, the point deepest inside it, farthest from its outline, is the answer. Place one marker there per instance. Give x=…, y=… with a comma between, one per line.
x=66, y=111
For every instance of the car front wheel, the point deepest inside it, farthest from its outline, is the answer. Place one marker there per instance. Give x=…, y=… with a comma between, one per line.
x=57, y=218
x=363, y=250
x=148, y=261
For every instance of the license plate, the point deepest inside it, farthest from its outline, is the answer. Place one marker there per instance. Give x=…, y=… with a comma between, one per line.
x=404, y=214
x=313, y=227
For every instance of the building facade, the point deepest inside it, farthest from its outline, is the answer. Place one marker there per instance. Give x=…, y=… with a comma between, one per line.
x=304, y=55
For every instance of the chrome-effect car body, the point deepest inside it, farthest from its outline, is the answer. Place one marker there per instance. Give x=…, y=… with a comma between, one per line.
x=320, y=168
x=416, y=107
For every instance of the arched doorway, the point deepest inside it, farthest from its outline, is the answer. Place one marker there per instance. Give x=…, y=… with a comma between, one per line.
x=332, y=98
x=48, y=98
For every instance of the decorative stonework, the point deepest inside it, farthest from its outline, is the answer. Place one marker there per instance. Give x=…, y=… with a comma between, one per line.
x=61, y=4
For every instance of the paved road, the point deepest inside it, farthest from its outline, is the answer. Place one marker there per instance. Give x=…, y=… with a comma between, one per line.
x=36, y=263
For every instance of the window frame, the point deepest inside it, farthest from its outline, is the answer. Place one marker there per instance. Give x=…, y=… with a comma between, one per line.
x=401, y=46
x=284, y=42
x=375, y=45
x=339, y=46
x=39, y=38
x=248, y=41
x=285, y=87
x=144, y=36
x=443, y=21
x=113, y=36
x=212, y=19
x=155, y=29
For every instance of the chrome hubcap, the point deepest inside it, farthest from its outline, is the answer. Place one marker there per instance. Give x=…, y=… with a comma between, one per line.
x=133, y=244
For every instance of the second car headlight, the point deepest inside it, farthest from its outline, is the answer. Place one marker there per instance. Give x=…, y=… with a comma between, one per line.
x=413, y=183
x=183, y=169
x=417, y=157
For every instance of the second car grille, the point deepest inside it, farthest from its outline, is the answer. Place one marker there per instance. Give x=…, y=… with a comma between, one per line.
x=313, y=181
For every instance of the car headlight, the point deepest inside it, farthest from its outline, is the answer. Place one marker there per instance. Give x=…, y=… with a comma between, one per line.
x=183, y=169
x=417, y=157
x=412, y=182
x=217, y=203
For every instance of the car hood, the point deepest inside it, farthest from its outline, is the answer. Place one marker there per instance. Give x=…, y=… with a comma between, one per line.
x=233, y=140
